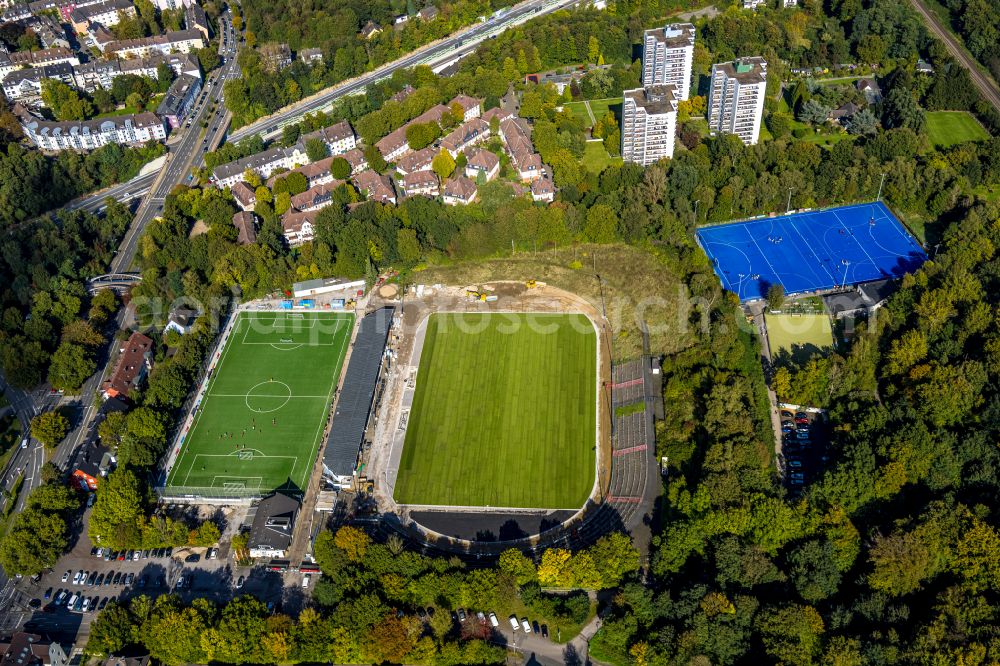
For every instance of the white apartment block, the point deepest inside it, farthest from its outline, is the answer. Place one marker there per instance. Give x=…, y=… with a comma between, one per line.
x=667, y=57
x=264, y=164
x=173, y=4
x=179, y=41
x=649, y=123
x=736, y=98
x=753, y=4
x=91, y=134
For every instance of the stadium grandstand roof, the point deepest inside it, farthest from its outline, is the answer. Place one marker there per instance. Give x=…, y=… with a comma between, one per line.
x=355, y=402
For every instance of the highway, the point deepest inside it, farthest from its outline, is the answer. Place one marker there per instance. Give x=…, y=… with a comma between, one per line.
x=987, y=86
x=184, y=155
x=443, y=50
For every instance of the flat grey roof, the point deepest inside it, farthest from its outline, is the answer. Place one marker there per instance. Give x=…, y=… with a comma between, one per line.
x=354, y=405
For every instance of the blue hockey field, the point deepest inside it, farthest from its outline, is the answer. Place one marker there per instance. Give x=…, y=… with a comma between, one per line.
x=813, y=251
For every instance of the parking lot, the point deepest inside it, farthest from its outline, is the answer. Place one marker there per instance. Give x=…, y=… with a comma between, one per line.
x=804, y=440
x=95, y=580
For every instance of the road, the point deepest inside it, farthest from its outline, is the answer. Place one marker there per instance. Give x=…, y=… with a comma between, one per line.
x=987, y=86
x=188, y=152
x=441, y=51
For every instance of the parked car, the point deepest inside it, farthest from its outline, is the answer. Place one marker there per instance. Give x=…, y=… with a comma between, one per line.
x=104, y=602
x=128, y=579
x=239, y=582
x=493, y=620
x=99, y=581
x=136, y=555
x=61, y=597
x=461, y=615
x=48, y=594
x=109, y=578
x=526, y=625
x=193, y=557
x=513, y=623
x=305, y=580
x=66, y=576
x=142, y=581
x=795, y=464
x=785, y=414
x=535, y=627
x=118, y=577
x=545, y=631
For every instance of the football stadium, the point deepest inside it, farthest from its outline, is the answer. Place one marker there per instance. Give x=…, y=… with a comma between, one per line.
x=504, y=413
x=811, y=252
x=259, y=421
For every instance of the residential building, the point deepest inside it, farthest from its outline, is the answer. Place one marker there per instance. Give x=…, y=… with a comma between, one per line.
x=667, y=57
x=244, y=195
x=246, y=226
x=375, y=187
x=405, y=92
x=181, y=319
x=542, y=189
x=309, y=56
x=339, y=138
x=420, y=183
x=107, y=13
x=481, y=162
x=394, y=145
x=6, y=66
x=51, y=56
x=400, y=20
x=754, y=4
x=179, y=41
x=24, y=649
x=173, y=4
x=356, y=158
x=370, y=29
x=924, y=67
x=90, y=134
x=791, y=3
x=134, y=361
x=428, y=13
x=498, y=113
x=50, y=32
x=102, y=73
x=196, y=19
x=317, y=197
x=416, y=161
x=472, y=106
x=736, y=98
x=466, y=135
x=870, y=89
x=843, y=113
x=27, y=83
x=561, y=80
x=459, y=190
x=316, y=173
x=94, y=463
x=299, y=227
x=263, y=164
x=271, y=531
x=275, y=56
x=179, y=100
x=126, y=661
x=516, y=138
x=649, y=123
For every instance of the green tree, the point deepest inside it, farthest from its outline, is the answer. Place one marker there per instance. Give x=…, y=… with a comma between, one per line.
x=443, y=165
x=49, y=428
x=119, y=511
x=340, y=168
x=316, y=149
x=775, y=296
x=70, y=367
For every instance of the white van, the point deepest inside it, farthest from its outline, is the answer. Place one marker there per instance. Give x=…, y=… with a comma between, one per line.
x=493, y=620
x=72, y=600
x=514, y=624
x=305, y=580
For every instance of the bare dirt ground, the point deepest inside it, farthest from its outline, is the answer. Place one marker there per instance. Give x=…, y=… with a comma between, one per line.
x=511, y=296
x=634, y=286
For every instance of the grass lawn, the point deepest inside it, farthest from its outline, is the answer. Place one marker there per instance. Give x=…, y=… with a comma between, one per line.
x=602, y=106
x=504, y=413
x=579, y=109
x=260, y=421
x=792, y=333
x=596, y=158
x=948, y=128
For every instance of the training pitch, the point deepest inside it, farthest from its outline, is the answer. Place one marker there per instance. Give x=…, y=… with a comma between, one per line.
x=813, y=251
x=810, y=332
x=504, y=413
x=259, y=423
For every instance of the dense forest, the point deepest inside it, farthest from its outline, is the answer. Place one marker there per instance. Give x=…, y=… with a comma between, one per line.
x=977, y=22
x=366, y=607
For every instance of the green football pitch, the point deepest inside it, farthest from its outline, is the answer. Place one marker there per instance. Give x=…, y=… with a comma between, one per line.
x=504, y=413
x=259, y=423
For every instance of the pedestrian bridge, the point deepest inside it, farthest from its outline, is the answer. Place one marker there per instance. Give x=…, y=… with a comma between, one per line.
x=119, y=282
